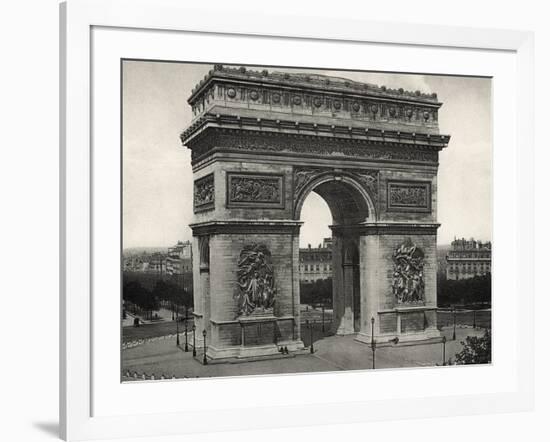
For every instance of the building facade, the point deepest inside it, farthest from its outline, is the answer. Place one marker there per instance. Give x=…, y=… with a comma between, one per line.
x=468, y=258
x=177, y=260
x=316, y=263
x=180, y=258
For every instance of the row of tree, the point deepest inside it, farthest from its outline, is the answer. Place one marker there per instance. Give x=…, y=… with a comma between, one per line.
x=476, y=290
x=142, y=300
x=316, y=293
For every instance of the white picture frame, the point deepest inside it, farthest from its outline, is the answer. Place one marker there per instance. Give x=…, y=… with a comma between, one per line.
x=81, y=400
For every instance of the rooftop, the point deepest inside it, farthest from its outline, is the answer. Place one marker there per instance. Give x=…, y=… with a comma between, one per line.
x=310, y=81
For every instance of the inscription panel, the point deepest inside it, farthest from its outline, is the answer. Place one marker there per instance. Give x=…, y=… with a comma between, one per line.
x=203, y=195
x=409, y=196
x=255, y=190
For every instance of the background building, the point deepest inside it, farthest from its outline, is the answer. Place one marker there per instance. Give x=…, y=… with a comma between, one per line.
x=316, y=263
x=468, y=258
x=174, y=265
x=180, y=258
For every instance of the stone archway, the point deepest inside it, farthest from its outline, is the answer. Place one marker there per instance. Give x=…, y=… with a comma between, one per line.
x=261, y=142
x=348, y=195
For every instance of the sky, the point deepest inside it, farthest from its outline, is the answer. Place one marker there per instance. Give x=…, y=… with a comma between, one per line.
x=157, y=175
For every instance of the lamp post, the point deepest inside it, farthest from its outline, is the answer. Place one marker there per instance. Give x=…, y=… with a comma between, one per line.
x=372, y=342
x=444, y=340
x=204, y=361
x=474, y=319
x=454, y=323
x=309, y=325
x=177, y=330
x=194, y=346
x=323, y=317
x=186, y=346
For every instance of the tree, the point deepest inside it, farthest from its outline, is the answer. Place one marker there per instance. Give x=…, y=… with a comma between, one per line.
x=477, y=350
x=133, y=292
x=318, y=292
x=140, y=297
x=149, y=303
x=463, y=291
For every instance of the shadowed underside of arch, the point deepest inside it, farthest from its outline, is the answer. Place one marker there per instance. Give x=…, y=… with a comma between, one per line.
x=348, y=201
x=346, y=204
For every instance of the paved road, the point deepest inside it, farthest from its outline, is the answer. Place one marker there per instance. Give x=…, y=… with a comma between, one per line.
x=333, y=353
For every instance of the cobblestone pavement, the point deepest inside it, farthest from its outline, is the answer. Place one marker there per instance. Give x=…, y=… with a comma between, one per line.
x=333, y=353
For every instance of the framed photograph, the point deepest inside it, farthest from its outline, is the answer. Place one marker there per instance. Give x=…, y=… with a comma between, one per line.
x=261, y=217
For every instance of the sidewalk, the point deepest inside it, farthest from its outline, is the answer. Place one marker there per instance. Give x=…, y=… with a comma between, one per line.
x=334, y=353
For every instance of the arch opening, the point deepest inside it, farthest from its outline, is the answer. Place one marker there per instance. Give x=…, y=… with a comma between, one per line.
x=339, y=251
x=348, y=201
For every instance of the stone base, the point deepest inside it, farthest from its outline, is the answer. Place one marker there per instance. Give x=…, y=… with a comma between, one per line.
x=247, y=352
x=429, y=335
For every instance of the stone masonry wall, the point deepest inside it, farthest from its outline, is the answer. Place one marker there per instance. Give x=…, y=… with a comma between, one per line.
x=224, y=257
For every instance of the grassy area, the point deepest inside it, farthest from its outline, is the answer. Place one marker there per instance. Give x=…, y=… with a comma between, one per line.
x=145, y=331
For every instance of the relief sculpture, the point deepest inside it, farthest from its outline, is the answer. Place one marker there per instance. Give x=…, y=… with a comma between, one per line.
x=302, y=177
x=369, y=179
x=408, y=196
x=204, y=193
x=408, y=274
x=255, y=281
x=250, y=189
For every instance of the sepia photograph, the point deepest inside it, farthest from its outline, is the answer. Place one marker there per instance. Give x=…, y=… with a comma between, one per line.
x=280, y=220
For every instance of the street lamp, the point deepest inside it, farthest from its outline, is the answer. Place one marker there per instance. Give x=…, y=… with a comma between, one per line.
x=194, y=346
x=186, y=346
x=308, y=324
x=444, y=340
x=475, y=319
x=323, y=317
x=204, y=361
x=372, y=342
x=454, y=323
x=177, y=330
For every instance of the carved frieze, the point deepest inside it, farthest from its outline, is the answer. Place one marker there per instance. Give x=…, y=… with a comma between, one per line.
x=255, y=190
x=371, y=109
x=317, y=93
x=314, y=146
x=408, y=274
x=256, y=288
x=409, y=196
x=203, y=197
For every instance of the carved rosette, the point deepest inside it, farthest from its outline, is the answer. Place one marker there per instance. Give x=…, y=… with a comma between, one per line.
x=256, y=288
x=408, y=274
x=203, y=195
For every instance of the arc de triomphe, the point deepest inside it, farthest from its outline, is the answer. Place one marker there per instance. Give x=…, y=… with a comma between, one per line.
x=261, y=142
